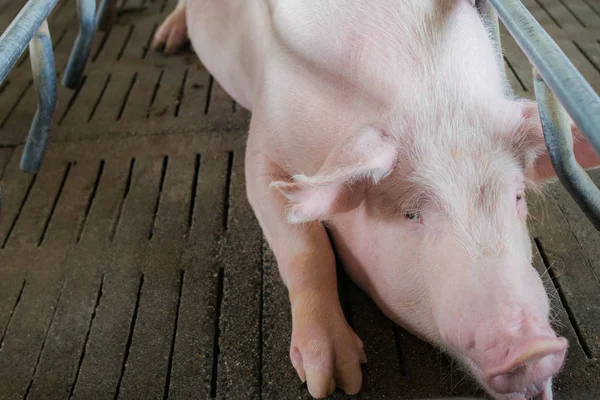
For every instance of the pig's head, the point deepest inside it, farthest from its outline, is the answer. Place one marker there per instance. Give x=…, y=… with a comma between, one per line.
x=430, y=218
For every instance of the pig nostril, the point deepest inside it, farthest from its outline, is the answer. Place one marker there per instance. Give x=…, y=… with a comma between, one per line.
x=528, y=353
x=533, y=362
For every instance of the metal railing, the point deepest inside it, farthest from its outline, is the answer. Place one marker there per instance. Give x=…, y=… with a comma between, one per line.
x=83, y=44
x=30, y=27
x=561, y=91
x=107, y=14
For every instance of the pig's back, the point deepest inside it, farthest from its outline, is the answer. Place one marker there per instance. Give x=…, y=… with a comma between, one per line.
x=364, y=44
x=370, y=45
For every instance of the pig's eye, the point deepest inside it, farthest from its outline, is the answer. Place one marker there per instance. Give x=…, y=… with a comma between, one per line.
x=413, y=216
x=520, y=196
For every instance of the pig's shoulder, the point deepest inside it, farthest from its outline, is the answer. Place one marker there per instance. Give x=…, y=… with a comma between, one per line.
x=319, y=31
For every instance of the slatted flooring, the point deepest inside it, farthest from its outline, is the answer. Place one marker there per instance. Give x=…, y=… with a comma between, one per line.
x=132, y=267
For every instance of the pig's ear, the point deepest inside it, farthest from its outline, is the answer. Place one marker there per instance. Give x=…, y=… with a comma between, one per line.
x=539, y=166
x=340, y=185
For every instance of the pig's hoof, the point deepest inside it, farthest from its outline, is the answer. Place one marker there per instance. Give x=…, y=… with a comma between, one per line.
x=172, y=34
x=326, y=353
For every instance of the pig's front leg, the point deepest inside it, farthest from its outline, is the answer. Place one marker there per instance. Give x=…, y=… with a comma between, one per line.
x=325, y=351
x=172, y=33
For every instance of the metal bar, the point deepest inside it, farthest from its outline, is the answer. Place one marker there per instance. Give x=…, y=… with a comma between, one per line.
x=559, y=73
x=81, y=49
x=107, y=15
x=15, y=38
x=560, y=91
x=44, y=79
x=556, y=126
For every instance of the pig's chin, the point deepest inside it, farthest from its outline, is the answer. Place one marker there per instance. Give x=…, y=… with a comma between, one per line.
x=536, y=391
x=541, y=391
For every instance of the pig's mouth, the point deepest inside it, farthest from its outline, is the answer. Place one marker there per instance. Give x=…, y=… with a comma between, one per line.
x=541, y=390
x=538, y=391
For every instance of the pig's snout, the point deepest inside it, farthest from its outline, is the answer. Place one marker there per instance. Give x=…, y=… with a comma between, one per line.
x=526, y=366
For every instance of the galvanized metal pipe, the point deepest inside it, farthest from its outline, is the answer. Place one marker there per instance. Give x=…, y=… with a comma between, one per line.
x=86, y=10
x=107, y=14
x=15, y=38
x=572, y=90
x=559, y=140
x=44, y=80
x=560, y=91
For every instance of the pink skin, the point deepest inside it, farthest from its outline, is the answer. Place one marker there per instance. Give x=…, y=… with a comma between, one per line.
x=390, y=123
x=172, y=34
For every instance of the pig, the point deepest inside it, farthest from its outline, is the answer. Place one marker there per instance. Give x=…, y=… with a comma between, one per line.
x=388, y=124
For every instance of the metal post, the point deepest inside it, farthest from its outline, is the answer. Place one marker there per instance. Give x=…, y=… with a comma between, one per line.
x=81, y=49
x=107, y=14
x=44, y=79
x=556, y=126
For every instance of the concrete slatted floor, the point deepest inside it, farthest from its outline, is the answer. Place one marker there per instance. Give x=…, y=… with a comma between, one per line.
x=132, y=267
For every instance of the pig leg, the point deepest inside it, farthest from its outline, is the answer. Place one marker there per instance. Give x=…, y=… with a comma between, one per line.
x=172, y=34
x=325, y=351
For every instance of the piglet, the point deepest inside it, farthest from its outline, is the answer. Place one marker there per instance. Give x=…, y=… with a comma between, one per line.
x=388, y=121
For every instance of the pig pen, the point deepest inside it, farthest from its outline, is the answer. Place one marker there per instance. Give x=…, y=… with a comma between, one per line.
x=132, y=267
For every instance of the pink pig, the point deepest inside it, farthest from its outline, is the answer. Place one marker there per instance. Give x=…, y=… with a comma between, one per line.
x=388, y=121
